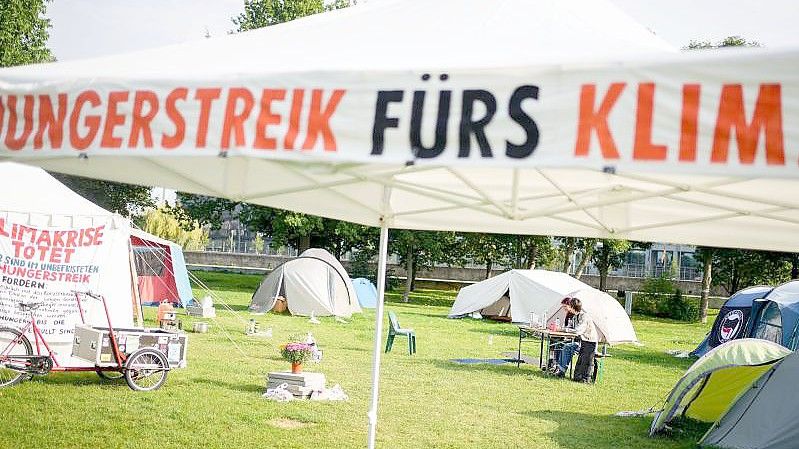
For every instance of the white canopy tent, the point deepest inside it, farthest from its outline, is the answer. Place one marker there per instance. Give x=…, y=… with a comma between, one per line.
x=534, y=117
x=540, y=292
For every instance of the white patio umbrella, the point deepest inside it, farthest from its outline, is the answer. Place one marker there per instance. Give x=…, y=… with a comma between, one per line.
x=516, y=116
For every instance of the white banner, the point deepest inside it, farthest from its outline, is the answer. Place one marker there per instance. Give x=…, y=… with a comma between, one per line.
x=705, y=115
x=46, y=265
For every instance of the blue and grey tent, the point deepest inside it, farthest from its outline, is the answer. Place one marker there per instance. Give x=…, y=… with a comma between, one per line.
x=776, y=316
x=366, y=292
x=733, y=320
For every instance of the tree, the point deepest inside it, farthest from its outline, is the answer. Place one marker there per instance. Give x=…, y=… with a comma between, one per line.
x=586, y=247
x=487, y=249
x=161, y=223
x=705, y=255
x=530, y=251
x=609, y=254
x=262, y=13
x=734, y=269
x=125, y=199
x=418, y=250
x=567, y=247
x=23, y=32
x=729, y=41
x=205, y=210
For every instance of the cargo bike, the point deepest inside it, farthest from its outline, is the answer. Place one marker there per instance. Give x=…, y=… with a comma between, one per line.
x=142, y=356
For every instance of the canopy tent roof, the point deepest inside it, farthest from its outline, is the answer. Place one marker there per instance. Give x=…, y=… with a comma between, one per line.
x=590, y=134
x=714, y=381
x=376, y=36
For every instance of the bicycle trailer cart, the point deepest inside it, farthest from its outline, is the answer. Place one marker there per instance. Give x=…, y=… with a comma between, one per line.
x=143, y=356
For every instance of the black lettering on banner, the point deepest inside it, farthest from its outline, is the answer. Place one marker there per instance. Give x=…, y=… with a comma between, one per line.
x=382, y=121
x=441, y=124
x=518, y=115
x=470, y=126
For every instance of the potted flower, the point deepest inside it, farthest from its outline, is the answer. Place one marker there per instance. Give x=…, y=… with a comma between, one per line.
x=296, y=352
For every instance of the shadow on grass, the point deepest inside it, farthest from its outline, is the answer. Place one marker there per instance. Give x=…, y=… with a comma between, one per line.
x=240, y=386
x=582, y=430
x=649, y=357
x=508, y=369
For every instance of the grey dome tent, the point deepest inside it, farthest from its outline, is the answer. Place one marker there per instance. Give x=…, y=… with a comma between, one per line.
x=776, y=317
x=733, y=320
x=313, y=283
x=766, y=416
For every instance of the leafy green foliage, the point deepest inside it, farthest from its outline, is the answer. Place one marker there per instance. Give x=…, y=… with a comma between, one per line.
x=124, y=199
x=609, y=254
x=734, y=269
x=661, y=298
x=23, y=32
x=161, y=223
x=729, y=41
x=262, y=13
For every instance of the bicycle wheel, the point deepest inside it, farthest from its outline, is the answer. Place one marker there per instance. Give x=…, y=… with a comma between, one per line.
x=12, y=343
x=146, y=370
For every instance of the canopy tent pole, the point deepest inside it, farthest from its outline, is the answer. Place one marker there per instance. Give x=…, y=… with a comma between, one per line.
x=378, y=338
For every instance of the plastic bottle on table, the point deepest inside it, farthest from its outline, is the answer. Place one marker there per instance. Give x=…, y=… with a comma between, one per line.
x=557, y=323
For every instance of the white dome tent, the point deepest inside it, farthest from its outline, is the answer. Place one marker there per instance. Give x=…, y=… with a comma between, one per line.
x=587, y=125
x=315, y=283
x=540, y=292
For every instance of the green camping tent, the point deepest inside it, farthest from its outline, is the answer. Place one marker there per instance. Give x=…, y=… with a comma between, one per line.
x=712, y=384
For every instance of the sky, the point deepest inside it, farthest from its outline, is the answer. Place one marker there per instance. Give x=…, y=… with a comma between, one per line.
x=87, y=28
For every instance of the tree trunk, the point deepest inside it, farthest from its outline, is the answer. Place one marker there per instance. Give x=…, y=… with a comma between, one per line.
x=706, y=278
x=413, y=276
x=583, y=262
x=794, y=266
x=304, y=243
x=603, y=278
x=489, y=266
x=408, y=274
x=567, y=254
x=532, y=256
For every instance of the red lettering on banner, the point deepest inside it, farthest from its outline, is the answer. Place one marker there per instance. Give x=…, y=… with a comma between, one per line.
x=140, y=122
x=294, y=119
x=591, y=120
x=51, y=122
x=689, y=124
x=92, y=122
x=767, y=116
x=206, y=98
x=12, y=141
x=643, y=148
x=265, y=118
x=319, y=119
x=174, y=140
x=233, y=121
x=113, y=119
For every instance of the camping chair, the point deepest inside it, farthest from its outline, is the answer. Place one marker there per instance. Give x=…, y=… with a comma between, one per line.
x=394, y=329
x=599, y=363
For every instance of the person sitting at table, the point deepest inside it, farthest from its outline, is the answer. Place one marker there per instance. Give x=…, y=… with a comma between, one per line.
x=558, y=312
x=587, y=335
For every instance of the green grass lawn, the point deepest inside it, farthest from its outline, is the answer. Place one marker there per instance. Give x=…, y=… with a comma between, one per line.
x=426, y=400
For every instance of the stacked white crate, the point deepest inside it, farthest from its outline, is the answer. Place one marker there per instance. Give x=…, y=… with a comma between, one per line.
x=300, y=385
